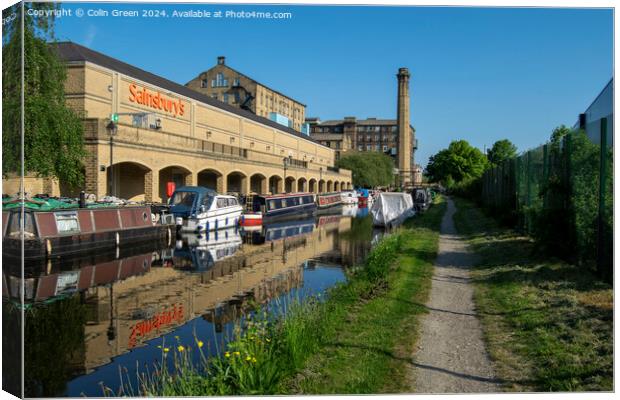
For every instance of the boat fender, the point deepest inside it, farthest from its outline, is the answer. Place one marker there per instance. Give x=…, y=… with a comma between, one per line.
x=179, y=244
x=118, y=239
x=169, y=236
x=48, y=246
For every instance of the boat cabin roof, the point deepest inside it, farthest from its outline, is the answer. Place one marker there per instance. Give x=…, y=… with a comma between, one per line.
x=196, y=189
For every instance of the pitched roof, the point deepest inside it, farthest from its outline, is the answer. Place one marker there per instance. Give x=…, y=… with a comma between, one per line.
x=252, y=79
x=73, y=52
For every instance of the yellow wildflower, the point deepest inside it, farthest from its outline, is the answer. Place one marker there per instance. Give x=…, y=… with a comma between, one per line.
x=200, y=344
x=248, y=358
x=176, y=337
x=237, y=353
x=227, y=354
x=166, y=349
x=180, y=348
x=253, y=359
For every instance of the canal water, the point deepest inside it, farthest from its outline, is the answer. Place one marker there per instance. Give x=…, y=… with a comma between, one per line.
x=95, y=321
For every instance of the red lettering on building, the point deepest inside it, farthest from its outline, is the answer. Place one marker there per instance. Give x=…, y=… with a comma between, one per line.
x=155, y=100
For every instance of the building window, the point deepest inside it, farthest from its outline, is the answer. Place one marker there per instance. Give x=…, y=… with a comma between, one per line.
x=337, y=145
x=219, y=81
x=360, y=138
x=377, y=147
x=204, y=83
x=236, y=82
x=225, y=97
x=377, y=138
x=394, y=128
x=368, y=138
x=360, y=147
x=368, y=147
x=385, y=148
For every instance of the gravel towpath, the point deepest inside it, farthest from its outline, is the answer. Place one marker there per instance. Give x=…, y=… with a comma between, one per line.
x=451, y=356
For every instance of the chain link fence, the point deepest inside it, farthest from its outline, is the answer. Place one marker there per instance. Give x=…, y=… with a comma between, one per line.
x=561, y=194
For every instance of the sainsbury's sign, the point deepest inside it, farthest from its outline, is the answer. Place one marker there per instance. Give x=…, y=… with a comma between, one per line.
x=155, y=100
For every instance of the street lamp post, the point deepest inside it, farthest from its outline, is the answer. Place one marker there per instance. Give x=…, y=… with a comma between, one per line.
x=111, y=127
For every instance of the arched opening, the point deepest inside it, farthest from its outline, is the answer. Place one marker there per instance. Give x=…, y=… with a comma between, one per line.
x=349, y=186
x=290, y=186
x=178, y=175
x=275, y=184
x=211, y=179
x=330, y=186
x=336, y=186
x=321, y=186
x=258, y=184
x=302, y=185
x=312, y=186
x=126, y=181
x=235, y=183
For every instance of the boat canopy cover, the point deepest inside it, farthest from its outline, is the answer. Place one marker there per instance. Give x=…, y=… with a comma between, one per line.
x=39, y=204
x=186, y=199
x=391, y=208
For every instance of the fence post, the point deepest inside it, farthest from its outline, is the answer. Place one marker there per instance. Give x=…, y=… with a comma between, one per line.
x=600, y=240
x=545, y=175
x=528, y=190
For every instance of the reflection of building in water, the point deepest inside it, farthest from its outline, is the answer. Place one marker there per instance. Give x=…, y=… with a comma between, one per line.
x=129, y=301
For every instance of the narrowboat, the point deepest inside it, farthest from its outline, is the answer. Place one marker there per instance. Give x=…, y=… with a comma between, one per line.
x=349, y=197
x=265, y=208
x=326, y=200
x=69, y=231
x=364, y=197
x=391, y=209
x=198, y=209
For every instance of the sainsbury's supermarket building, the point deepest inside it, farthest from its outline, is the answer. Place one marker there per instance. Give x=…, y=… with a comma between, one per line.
x=167, y=132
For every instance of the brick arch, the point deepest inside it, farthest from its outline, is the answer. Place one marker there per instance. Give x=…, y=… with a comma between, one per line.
x=136, y=183
x=177, y=174
x=302, y=184
x=236, y=181
x=275, y=183
x=211, y=178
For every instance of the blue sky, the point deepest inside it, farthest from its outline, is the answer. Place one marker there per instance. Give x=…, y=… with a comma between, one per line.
x=479, y=74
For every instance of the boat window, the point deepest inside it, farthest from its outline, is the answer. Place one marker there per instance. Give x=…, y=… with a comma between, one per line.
x=29, y=228
x=232, y=202
x=275, y=204
x=183, y=198
x=221, y=203
x=207, y=201
x=67, y=222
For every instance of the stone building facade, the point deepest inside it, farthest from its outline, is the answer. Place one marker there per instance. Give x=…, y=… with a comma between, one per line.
x=167, y=132
x=232, y=87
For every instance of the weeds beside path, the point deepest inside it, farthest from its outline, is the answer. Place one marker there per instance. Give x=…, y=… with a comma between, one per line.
x=548, y=325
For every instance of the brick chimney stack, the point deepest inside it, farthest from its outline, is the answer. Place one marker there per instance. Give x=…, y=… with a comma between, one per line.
x=403, y=121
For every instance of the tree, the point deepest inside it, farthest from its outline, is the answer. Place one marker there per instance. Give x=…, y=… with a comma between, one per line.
x=501, y=151
x=369, y=169
x=458, y=163
x=53, y=133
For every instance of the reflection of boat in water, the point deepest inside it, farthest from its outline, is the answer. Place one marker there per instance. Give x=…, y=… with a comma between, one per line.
x=198, y=209
x=203, y=251
x=279, y=230
x=349, y=210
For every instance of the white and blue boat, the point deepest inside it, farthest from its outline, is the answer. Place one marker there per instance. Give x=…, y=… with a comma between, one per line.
x=198, y=209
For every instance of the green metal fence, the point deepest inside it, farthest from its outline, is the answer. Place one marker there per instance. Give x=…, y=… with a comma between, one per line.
x=561, y=194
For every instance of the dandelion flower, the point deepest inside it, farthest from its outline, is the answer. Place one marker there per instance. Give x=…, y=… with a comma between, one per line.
x=200, y=344
x=176, y=337
x=248, y=358
x=237, y=353
x=180, y=348
x=166, y=349
x=227, y=354
x=253, y=359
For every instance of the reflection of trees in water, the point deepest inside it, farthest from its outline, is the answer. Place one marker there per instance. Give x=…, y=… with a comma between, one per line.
x=11, y=349
x=54, y=334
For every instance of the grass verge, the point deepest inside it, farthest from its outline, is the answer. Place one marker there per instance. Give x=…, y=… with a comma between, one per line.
x=548, y=325
x=357, y=340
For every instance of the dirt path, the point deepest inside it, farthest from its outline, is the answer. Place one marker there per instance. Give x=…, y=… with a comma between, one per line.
x=451, y=355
